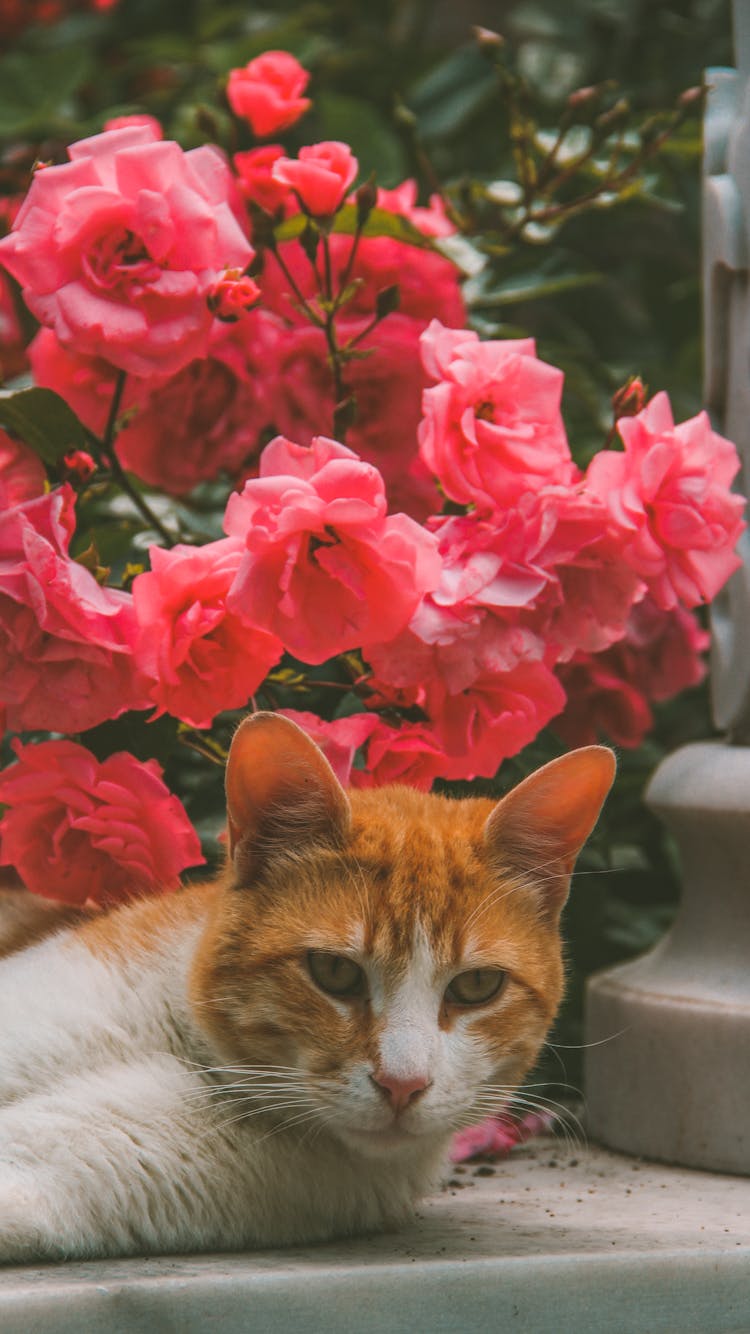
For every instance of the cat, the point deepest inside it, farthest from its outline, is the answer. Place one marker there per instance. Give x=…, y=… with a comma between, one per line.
x=282, y=1055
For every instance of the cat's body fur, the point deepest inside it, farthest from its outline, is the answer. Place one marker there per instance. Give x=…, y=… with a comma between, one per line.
x=171, y=1078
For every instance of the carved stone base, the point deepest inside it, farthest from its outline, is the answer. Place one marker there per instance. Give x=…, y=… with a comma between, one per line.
x=669, y=1076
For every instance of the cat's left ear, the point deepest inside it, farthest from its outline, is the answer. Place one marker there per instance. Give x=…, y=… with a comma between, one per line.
x=282, y=793
x=541, y=825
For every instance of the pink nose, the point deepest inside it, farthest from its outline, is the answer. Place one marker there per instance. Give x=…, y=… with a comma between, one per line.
x=400, y=1092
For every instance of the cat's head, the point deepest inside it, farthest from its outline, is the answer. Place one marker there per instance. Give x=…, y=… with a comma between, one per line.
x=386, y=959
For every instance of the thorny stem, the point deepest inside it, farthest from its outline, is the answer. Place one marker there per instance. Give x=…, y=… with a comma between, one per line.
x=106, y=451
x=310, y=312
x=609, y=183
x=335, y=353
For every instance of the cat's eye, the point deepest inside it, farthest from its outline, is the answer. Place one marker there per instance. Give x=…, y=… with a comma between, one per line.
x=335, y=974
x=475, y=986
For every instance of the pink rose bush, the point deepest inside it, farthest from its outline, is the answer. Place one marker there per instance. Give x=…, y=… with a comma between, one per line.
x=83, y=831
x=117, y=249
x=297, y=480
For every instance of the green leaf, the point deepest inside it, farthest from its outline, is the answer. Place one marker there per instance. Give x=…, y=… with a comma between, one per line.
x=530, y=287
x=379, y=223
x=43, y=420
x=450, y=94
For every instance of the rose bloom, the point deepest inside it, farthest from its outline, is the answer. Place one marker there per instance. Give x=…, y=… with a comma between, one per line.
x=255, y=181
x=590, y=589
x=141, y=119
x=669, y=501
x=22, y=473
x=409, y=754
x=324, y=568
x=492, y=427
x=187, y=428
x=339, y=740
x=117, y=249
x=480, y=726
x=196, y=656
x=601, y=702
x=81, y=831
x=267, y=92
x=321, y=175
x=496, y=717
x=65, y=643
x=609, y=693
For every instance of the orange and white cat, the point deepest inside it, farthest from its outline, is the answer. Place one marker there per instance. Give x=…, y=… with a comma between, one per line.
x=283, y=1055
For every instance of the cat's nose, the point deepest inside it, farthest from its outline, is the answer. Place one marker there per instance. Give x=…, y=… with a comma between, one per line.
x=400, y=1091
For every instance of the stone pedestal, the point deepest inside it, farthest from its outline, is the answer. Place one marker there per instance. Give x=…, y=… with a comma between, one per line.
x=669, y=1076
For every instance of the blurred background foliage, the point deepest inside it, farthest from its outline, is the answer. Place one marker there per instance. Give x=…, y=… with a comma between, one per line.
x=610, y=292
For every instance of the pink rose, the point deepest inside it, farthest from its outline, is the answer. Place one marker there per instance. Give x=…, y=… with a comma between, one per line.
x=496, y=717
x=233, y=296
x=497, y=1135
x=663, y=651
x=254, y=179
x=141, y=119
x=196, y=656
x=480, y=726
x=86, y=383
x=324, y=568
x=591, y=590
x=267, y=92
x=22, y=474
x=431, y=221
x=601, y=702
x=65, y=643
x=492, y=427
x=78, y=830
x=338, y=740
x=187, y=428
x=670, y=504
x=408, y=754
x=118, y=249
x=609, y=693
x=321, y=175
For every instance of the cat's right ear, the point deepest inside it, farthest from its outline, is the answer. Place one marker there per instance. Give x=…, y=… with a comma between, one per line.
x=281, y=794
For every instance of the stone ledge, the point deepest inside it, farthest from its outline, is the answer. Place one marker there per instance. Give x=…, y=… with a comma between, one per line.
x=549, y=1242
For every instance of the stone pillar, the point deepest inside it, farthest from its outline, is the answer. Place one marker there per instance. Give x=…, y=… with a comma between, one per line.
x=669, y=1074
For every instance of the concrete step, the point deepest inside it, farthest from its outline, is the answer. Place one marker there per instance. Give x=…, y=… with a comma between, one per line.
x=549, y=1241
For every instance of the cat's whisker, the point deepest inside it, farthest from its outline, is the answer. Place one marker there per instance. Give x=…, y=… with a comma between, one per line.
x=584, y=1046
